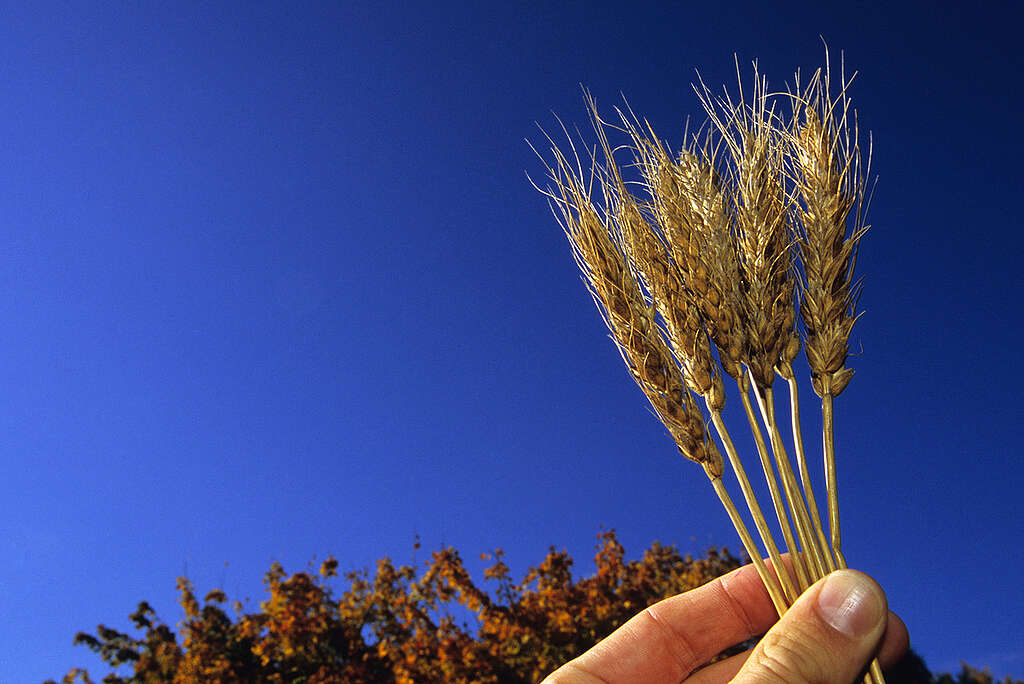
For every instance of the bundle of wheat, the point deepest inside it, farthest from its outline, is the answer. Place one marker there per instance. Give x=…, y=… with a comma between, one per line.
x=697, y=276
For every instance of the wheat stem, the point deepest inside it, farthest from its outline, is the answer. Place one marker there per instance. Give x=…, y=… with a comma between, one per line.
x=773, y=486
x=766, y=405
x=778, y=600
x=828, y=441
x=875, y=675
x=798, y=508
x=755, y=510
x=805, y=476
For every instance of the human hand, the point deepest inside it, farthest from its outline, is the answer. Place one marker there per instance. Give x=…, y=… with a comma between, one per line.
x=828, y=636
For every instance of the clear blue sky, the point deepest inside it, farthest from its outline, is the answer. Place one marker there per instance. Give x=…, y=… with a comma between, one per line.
x=274, y=286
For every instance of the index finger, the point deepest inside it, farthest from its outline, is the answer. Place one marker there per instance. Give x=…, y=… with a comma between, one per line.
x=674, y=637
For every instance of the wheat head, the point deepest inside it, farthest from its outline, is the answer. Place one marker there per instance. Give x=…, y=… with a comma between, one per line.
x=830, y=182
x=631, y=320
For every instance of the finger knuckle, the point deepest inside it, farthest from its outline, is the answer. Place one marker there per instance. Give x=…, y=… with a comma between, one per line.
x=789, y=657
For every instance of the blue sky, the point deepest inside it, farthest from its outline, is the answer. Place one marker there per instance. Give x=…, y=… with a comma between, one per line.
x=274, y=286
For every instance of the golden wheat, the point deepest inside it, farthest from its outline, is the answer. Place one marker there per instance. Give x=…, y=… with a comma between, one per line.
x=761, y=233
x=709, y=260
x=831, y=183
x=590, y=230
x=631, y=320
x=689, y=206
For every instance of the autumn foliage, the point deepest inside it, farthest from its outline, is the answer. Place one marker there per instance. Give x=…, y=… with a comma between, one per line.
x=401, y=624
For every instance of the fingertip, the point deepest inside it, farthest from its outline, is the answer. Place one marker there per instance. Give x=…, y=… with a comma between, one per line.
x=895, y=642
x=852, y=603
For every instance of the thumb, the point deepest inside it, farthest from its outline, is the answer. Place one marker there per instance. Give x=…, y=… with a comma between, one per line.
x=828, y=636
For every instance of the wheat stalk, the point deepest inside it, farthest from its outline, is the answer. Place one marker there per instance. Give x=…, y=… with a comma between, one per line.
x=697, y=276
x=831, y=184
x=786, y=371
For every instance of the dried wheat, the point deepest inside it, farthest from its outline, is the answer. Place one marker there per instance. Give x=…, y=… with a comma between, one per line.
x=831, y=184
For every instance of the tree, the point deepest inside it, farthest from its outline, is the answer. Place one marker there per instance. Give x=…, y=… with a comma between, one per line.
x=398, y=625
x=970, y=675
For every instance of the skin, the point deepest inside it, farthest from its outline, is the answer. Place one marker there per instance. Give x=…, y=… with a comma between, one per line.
x=828, y=636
